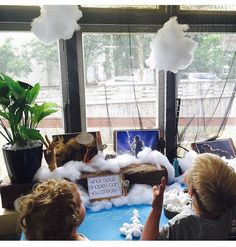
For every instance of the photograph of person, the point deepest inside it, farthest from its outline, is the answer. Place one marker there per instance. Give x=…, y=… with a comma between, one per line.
x=134, y=141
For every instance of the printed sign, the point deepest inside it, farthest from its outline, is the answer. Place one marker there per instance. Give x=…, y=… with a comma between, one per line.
x=105, y=186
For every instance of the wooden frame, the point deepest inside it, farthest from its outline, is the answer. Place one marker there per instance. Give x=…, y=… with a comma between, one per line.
x=80, y=146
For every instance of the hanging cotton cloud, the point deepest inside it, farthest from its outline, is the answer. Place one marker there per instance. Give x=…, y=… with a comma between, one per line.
x=56, y=22
x=171, y=49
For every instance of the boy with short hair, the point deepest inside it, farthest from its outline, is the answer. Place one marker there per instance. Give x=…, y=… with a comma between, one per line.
x=212, y=187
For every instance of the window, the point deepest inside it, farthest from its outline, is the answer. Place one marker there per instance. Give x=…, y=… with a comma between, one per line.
x=207, y=89
x=120, y=90
x=25, y=58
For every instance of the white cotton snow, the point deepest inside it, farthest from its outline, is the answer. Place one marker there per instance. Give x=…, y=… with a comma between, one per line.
x=56, y=22
x=113, y=165
x=99, y=205
x=231, y=162
x=69, y=173
x=175, y=200
x=139, y=194
x=73, y=169
x=147, y=155
x=133, y=198
x=171, y=49
x=133, y=229
x=83, y=195
x=186, y=162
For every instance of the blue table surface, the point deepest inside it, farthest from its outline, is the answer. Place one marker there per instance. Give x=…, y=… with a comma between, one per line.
x=105, y=224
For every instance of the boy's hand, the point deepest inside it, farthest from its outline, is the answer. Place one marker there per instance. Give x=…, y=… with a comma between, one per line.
x=158, y=195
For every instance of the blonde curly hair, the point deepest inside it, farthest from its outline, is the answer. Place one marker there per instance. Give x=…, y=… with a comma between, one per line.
x=214, y=183
x=51, y=211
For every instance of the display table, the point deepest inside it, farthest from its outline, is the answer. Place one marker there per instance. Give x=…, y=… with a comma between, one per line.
x=105, y=224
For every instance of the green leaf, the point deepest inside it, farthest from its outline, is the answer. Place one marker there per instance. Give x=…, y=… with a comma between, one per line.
x=18, y=116
x=19, y=103
x=14, y=86
x=33, y=93
x=39, y=112
x=4, y=102
x=4, y=90
x=31, y=134
x=4, y=114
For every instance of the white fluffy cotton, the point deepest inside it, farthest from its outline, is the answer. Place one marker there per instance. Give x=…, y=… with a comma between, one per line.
x=83, y=195
x=175, y=200
x=73, y=169
x=134, y=196
x=157, y=158
x=99, y=205
x=134, y=229
x=68, y=172
x=231, y=162
x=171, y=49
x=56, y=22
x=113, y=165
x=186, y=162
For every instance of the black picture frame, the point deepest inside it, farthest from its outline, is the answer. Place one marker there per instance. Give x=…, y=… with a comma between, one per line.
x=132, y=141
x=221, y=147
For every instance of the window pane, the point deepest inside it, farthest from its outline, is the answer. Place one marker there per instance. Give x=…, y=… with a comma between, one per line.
x=207, y=89
x=121, y=91
x=209, y=7
x=26, y=59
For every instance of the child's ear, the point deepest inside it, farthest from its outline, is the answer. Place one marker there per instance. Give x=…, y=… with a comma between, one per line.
x=190, y=191
x=186, y=176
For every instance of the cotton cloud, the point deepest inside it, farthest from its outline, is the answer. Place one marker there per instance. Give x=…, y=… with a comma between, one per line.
x=147, y=155
x=56, y=22
x=73, y=169
x=186, y=162
x=171, y=49
x=132, y=198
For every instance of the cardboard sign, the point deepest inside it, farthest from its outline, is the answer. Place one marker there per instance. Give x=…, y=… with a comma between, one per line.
x=108, y=186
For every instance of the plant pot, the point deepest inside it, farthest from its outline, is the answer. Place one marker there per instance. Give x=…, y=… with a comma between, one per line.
x=22, y=163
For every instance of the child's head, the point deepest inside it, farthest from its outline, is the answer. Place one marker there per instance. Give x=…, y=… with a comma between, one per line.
x=213, y=183
x=53, y=211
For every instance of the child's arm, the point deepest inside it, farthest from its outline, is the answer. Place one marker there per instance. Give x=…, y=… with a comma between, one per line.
x=151, y=227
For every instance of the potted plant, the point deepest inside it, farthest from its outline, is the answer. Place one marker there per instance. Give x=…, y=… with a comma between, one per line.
x=19, y=119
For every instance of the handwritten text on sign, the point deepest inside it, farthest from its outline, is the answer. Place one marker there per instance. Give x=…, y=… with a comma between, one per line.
x=104, y=186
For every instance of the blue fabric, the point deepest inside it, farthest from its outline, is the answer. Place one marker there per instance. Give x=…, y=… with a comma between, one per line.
x=104, y=225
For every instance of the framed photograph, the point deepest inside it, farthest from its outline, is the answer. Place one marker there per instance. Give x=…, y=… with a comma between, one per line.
x=221, y=147
x=80, y=146
x=134, y=141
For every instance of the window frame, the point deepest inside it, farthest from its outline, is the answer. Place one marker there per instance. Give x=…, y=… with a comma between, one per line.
x=13, y=18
